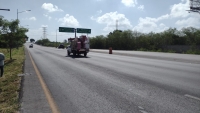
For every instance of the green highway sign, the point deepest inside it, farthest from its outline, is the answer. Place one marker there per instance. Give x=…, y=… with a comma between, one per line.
x=66, y=29
x=83, y=30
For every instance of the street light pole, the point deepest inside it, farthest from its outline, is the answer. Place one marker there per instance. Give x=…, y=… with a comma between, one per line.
x=56, y=38
x=17, y=14
x=5, y=9
x=21, y=12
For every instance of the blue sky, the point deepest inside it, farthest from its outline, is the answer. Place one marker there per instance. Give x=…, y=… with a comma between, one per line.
x=99, y=15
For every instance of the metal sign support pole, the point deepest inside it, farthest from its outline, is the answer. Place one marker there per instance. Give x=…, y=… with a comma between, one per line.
x=75, y=32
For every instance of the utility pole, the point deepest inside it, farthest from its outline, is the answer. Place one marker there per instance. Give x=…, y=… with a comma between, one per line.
x=21, y=12
x=56, y=38
x=17, y=14
x=116, y=24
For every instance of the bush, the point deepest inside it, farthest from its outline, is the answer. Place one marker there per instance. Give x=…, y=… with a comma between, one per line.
x=159, y=50
x=142, y=49
x=196, y=51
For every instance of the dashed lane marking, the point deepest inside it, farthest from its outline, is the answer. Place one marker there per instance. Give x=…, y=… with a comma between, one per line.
x=141, y=109
x=193, y=97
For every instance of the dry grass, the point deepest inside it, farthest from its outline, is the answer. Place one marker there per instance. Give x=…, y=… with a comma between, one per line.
x=10, y=82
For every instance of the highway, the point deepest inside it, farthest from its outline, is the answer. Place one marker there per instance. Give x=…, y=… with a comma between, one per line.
x=105, y=83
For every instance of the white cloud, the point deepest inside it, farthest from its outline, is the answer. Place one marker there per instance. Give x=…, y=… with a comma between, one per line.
x=44, y=25
x=99, y=12
x=141, y=7
x=35, y=33
x=110, y=20
x=50, y=7
x=69, y=21
x=32, y=18
x=163, y=17
x=162, y=25
x=179, y=10
x=129, y=3
x=149, y=24
x=191, y=21
x=45, y=15
x=49, y=17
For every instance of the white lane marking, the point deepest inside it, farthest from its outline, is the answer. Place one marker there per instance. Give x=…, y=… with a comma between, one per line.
x=193, y=97
x=143, y=111
x=140, y=107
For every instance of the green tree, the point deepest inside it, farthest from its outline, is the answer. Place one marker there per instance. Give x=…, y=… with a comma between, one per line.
x=32, y=40
x=12, y=34
x=65, y=41
x=197, y=37
x=191, y=34
x=133, y=40
x=44, y=42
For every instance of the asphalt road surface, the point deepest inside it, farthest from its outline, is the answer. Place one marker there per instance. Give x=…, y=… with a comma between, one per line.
x=104, y=83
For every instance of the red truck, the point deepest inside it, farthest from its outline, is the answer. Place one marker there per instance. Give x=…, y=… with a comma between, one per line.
x=78, y=46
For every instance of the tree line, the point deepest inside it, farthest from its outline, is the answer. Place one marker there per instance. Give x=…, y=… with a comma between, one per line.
x=134, y=40
x=48, y=43
x=11, y=35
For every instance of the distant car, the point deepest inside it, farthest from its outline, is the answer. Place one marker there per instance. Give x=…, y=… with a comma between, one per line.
x=31, y=46
x=61, y=46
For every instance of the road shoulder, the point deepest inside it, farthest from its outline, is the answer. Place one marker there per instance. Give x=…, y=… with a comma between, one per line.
x=33, y=99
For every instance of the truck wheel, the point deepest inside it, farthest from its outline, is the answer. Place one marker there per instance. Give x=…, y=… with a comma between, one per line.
x=68, y=53
x=74, y=53
x=85, y=54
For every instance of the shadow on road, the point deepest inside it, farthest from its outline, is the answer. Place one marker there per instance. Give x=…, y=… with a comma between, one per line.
x=77, y=56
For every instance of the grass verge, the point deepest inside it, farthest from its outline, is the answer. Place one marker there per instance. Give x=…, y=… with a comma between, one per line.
x=10, y=82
